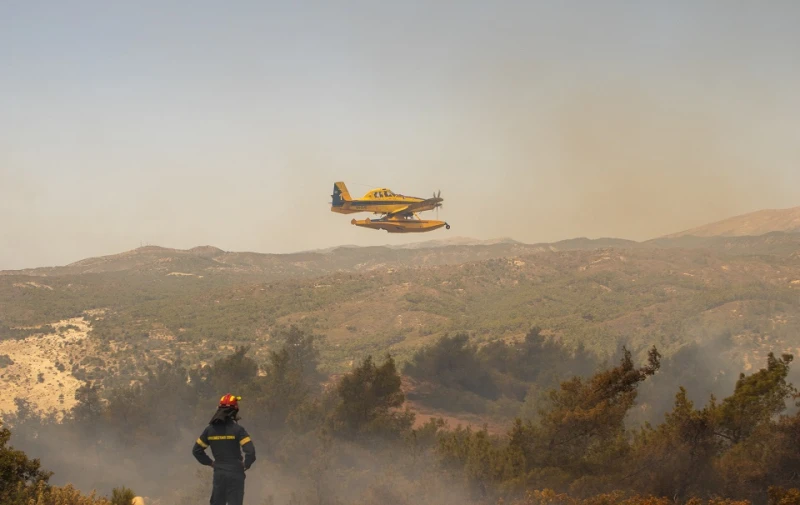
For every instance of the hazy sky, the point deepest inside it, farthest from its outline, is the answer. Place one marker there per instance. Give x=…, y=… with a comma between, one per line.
x=226, y=123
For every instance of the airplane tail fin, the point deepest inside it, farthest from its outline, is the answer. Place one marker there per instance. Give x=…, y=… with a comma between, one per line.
x=340, y=194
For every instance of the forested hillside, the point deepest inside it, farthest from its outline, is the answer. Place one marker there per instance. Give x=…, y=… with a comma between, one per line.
x=590, y=371
x=353, y=441
x=107, y=319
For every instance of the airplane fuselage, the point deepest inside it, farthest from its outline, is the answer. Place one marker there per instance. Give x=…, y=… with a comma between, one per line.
x=377, y=206
x=378, y=201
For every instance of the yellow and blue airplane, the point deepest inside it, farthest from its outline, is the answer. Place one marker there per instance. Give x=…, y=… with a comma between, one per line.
x=399, y=211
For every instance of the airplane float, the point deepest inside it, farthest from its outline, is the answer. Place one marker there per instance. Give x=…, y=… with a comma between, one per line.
x=399, y=212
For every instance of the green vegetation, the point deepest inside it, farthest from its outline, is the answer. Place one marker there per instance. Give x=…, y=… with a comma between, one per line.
x=24, y=482
x=354, y=442
x=8, y=332
x=495, y=379
x=540, y=344
x=589, y=298
x=5, y=361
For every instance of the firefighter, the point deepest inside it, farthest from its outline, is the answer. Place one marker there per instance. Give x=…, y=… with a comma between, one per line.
x=227, y=439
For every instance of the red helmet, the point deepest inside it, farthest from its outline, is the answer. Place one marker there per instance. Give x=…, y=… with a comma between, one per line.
x=230, y=400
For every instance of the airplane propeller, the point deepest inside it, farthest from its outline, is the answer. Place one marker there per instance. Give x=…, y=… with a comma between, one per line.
x=437, y=194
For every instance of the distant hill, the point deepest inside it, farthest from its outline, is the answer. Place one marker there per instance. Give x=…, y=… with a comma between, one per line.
x=212, y=261
x=773, y=243
x=751, y=224
x=454, y=241
x=108, y=318
x=230, y=266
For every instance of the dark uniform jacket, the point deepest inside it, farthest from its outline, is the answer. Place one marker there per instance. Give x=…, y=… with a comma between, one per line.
x=227, y=441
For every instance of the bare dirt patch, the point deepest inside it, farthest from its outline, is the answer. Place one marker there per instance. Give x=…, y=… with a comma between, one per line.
x=41, y=371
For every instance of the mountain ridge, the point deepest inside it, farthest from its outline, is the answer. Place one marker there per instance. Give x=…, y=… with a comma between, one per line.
x=213, y=260
x=754, y=223
x=767, y=231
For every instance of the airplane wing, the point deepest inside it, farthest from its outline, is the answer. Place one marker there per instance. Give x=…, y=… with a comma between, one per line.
x=401, y=211
x=411, y=208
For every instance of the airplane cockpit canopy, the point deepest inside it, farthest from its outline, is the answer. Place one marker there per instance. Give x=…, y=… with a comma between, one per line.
x=382, y=193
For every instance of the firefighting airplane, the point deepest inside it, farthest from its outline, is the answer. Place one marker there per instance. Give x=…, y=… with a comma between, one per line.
x=399, y=211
